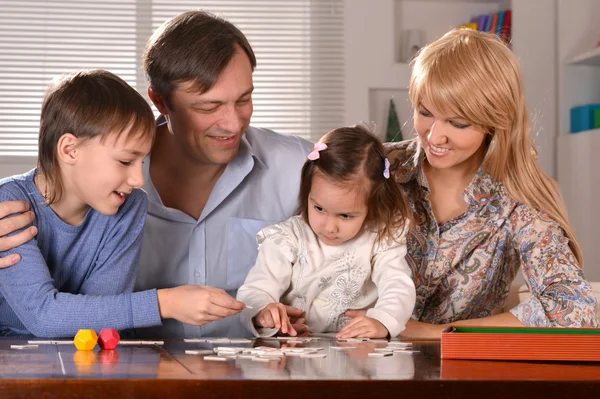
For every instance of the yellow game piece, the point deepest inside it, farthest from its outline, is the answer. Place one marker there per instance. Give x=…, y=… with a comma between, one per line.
x=85, y=340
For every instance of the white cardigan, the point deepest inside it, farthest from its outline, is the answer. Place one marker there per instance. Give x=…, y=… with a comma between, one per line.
x=295, y=268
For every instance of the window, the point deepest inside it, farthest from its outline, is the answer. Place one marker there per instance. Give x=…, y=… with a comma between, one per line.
x=299, y=79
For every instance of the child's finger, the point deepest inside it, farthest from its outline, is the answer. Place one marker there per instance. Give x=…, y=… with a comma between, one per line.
x=290, y=328
x=275, y=316
x=266, y=320
x=348, y=330
x=356, y=330
x=285, y=321
x=348, y=326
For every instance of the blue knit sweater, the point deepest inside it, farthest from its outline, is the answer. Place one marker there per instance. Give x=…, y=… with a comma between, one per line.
x=74, y=277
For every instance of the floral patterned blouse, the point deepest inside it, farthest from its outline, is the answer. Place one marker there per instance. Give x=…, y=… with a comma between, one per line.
x=463, y=269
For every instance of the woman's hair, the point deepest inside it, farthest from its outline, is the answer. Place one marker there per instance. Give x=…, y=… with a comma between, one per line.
x=355, y=158
x=87, y=104
x=476, y=76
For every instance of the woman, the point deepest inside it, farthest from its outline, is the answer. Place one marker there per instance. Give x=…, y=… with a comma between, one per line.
x=483, y=208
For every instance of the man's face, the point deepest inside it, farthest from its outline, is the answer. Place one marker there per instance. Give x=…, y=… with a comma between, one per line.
x=209, y=126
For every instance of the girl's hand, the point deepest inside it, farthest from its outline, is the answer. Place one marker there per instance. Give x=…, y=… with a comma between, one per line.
x=275, y=315
x=363, y=326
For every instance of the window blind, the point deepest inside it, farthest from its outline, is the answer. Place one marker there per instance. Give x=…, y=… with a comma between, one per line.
x=298, y=43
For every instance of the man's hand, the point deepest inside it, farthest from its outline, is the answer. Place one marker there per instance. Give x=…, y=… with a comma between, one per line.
x=364, y=327
x=14, y=223
x=197, y=305
x=277, y=315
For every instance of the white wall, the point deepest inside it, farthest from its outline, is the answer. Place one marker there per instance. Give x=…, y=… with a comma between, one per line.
x=578, y=163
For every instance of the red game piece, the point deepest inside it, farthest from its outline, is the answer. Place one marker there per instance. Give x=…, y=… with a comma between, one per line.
x=108, y=339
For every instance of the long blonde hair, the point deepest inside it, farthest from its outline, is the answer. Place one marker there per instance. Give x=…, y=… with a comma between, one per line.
x=476, y=76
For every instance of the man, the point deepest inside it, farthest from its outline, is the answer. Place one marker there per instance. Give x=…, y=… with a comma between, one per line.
x=212, y=180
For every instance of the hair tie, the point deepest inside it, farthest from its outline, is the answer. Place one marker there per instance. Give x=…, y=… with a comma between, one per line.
x=314, y=154
x=386, y=168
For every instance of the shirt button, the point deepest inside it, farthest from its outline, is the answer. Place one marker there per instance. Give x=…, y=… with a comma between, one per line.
x=197, y=273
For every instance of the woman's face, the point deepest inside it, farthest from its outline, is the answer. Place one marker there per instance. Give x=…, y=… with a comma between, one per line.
x=449, y=141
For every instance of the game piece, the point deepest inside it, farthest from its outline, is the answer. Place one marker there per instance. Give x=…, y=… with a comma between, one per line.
x=240, y=341
x=218, y=340
x=50, y=342
x=314, y=355
x=380, y=354
x=108, y=339
x=24, y=346
x=198, y=352
x=218, y=358
x=85, y=340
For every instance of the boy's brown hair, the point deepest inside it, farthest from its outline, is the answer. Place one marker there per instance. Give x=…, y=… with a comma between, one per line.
x=87, y=104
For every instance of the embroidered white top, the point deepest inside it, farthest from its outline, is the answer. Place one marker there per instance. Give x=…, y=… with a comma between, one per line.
x=295, y=268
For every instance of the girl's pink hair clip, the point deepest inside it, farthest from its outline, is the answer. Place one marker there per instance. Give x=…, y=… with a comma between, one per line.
x=314, y=154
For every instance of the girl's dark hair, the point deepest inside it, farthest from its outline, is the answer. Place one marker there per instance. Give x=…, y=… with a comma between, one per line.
x=87, y=104
x=355, y=157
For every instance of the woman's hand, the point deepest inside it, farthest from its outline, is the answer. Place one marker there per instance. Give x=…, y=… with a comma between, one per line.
x=416, y=330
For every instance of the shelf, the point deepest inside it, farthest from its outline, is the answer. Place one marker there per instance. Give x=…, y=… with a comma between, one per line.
x=591, y=57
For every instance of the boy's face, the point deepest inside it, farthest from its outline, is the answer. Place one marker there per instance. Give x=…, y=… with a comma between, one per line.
x=209, y=126
x=335, y=214
x=107, y=171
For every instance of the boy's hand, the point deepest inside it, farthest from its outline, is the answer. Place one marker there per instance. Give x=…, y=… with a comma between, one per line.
x=196, y=305
x=275, y=315
x=364, y=327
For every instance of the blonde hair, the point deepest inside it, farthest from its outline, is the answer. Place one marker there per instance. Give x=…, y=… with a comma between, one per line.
x=476, y=76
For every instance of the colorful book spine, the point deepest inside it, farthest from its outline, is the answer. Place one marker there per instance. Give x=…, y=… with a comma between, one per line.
x=500, y=23
x=494, y=23
x=506, y=26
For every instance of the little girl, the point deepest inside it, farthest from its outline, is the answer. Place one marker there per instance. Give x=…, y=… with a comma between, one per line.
x=79, y=270
x=344, y=250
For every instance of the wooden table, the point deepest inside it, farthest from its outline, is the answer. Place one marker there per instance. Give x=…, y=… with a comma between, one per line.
x=147, y=371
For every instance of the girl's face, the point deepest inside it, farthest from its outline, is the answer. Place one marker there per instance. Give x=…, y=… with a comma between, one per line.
x=335, y=213
x=448, y=141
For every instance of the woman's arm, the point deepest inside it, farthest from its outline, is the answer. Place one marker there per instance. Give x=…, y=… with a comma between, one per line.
x=419, y=330
x=560, y=296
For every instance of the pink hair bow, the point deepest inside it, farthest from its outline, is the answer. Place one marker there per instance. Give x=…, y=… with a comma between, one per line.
x=314, y=154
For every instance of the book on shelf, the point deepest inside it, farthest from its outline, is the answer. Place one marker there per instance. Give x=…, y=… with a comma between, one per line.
x=521, y=343
x=498, y=23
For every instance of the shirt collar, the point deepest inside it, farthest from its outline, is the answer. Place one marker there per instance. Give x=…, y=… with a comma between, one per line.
x=482, y=189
